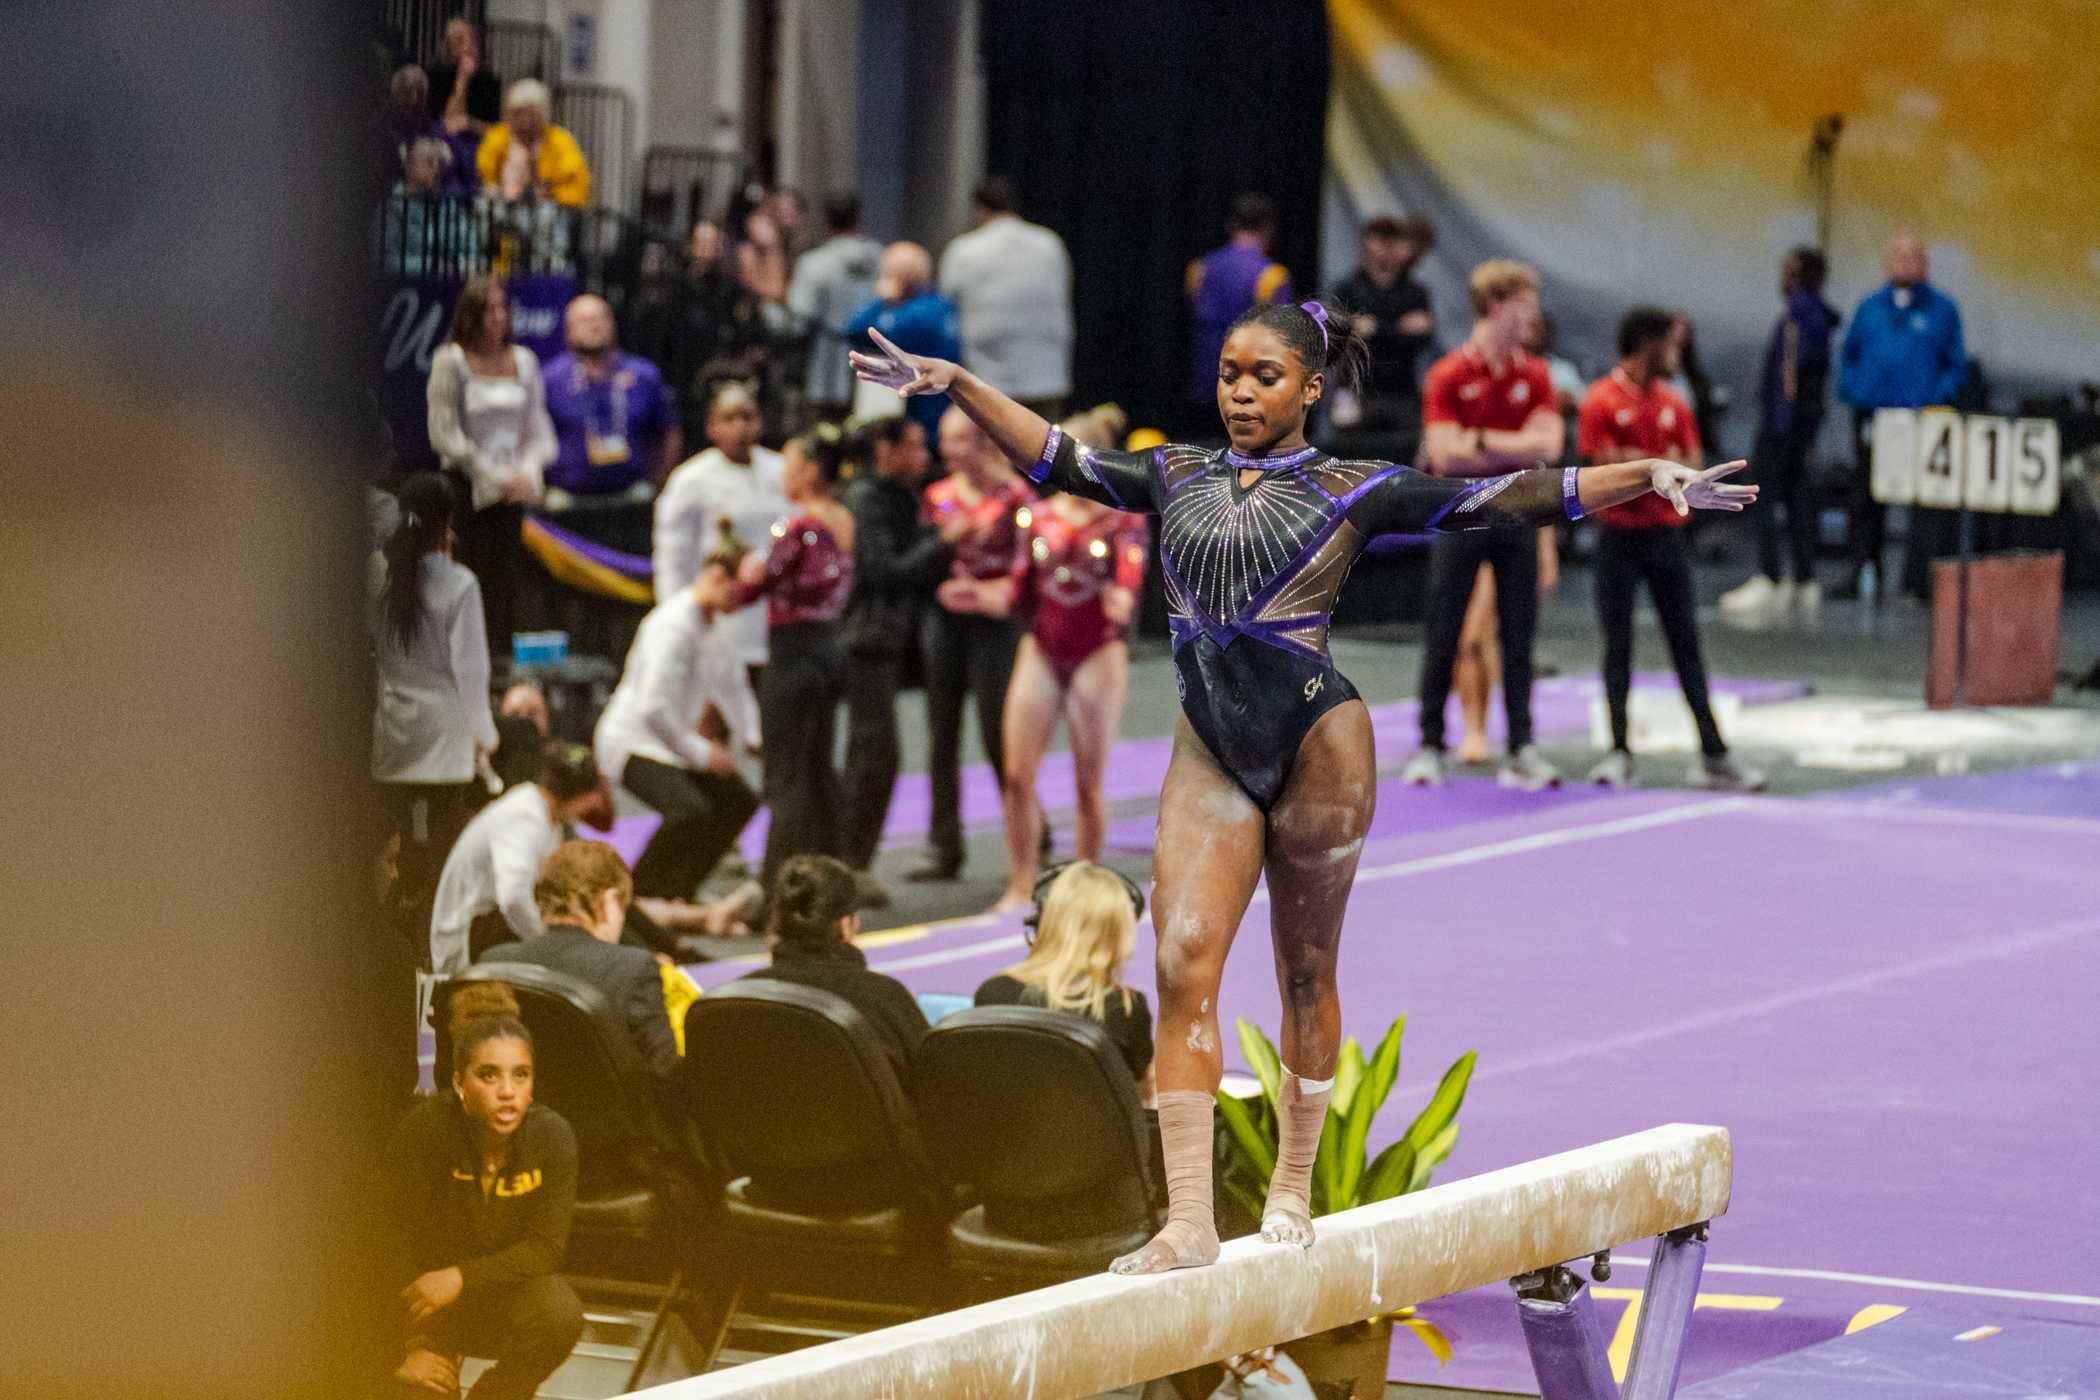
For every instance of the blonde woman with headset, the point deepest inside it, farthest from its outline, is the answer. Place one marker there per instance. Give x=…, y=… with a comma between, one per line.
x=1084, y=934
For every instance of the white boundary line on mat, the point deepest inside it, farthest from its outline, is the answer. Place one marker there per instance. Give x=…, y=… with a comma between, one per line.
x=1857, y=982
x=1935, y=816
x=2020, y=1295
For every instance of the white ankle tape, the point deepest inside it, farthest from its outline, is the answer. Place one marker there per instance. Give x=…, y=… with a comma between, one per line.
x=1311, y=1086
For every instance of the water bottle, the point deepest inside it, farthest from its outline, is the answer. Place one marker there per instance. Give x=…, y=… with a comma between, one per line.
x=1869, y=582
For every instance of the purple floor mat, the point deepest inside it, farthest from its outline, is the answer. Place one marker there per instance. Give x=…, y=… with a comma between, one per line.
x=2054, y=790
x=1929, y=1354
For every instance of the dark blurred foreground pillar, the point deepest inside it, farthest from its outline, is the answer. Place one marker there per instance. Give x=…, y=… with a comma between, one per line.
x=202, y=1035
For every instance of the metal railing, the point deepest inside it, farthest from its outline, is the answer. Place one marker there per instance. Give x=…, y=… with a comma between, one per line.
x=601, y=118
x=422, y=22
x=521, y=50
x=446, y=238
x=682, y=184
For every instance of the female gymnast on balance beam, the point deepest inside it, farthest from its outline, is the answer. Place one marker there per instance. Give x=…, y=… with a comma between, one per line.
x=1272, y=771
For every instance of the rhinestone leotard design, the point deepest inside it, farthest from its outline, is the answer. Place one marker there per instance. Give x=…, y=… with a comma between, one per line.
x=1252, y=572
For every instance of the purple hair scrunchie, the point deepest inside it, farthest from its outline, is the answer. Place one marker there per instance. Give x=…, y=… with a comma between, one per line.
x=1319, y=314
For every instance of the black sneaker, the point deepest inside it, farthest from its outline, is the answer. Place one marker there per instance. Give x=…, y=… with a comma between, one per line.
x=935, y=869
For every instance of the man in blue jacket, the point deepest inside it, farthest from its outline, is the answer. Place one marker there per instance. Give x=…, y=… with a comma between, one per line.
x=910, y=312
x=1904, y=351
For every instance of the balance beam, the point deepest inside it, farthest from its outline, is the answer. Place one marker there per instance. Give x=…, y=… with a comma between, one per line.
x=1104, y=1332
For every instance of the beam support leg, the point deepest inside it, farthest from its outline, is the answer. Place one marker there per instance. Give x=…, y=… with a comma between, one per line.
x=1560, y=1329
x=1666, y=1314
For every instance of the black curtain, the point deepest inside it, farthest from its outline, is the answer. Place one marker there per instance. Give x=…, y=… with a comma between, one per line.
x=1128, y=128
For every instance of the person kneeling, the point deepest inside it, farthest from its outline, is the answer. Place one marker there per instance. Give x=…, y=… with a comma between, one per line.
x=483, y=1182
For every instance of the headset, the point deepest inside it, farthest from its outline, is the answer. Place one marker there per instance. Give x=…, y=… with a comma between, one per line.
x=1048, y=875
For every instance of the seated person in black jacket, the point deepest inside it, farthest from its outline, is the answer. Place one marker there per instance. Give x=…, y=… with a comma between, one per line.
x=583, y=893
x=483, y=1182
x=1086, y=933
x=814, y=916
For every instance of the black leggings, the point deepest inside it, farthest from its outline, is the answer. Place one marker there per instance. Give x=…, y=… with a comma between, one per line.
x=528, y=1328
x=1454, y=560
x=702, y=812
x=1868, y=524
x=1779, y=463
x=798, y=703
x=429, y=818
x=1657, y=554
x=492, y=544
x=872, y=751
x=965, y=655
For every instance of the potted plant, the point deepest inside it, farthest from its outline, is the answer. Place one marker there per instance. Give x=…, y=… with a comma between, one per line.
x=1345, y=1175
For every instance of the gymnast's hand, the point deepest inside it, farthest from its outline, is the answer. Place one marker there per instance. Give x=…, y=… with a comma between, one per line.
x=1691, y=490
x=908, y=374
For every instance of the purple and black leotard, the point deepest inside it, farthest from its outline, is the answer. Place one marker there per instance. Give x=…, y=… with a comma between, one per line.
x=1252, y=571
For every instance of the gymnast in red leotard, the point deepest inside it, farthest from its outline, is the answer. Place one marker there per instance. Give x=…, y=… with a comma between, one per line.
x=1075, y=580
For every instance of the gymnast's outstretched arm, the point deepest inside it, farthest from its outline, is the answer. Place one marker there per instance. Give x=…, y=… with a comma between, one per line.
x=1049, y=459
x=1408, y=502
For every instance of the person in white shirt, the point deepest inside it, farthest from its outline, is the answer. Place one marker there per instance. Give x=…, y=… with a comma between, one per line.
x=488, y=421
x=484, y=896
x=734, y=480
x=832, y=282
x=1011, y=281
x=431, y=724
x=683, y=713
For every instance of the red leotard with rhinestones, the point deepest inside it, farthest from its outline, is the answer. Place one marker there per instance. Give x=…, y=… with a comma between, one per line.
x=1061, y=573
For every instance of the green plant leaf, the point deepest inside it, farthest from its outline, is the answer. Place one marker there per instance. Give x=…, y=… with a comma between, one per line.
x=1389, y=1175
x=1348, y=1073
x=1370, y=1096
x=1247, y=1199
x=1257, y=1149
x=1384, y=1069
x=1326, y=1170
x=1260, y=1056
x=1443, y=1105
x=1426, y=1164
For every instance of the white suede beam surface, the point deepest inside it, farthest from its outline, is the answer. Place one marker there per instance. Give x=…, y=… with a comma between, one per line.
x=1103, y=1332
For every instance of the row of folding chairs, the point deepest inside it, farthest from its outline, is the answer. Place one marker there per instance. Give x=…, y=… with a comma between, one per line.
x=790, y=1175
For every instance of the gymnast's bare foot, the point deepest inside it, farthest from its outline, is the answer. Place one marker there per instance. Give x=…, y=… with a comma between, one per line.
x=1473, y=749
x=1183, y=1244
x=1011, y=903
x=1286, y=1220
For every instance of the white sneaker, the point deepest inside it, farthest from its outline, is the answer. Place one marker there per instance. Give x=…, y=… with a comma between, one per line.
x=1425, y=769
x=1528, y=770
x=1808, y=600
x=1616, y=771
x=1782, y=598
x=1721, y=775
x=1751, y=597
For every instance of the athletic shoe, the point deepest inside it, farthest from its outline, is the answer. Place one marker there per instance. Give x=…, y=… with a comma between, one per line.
x=935, y=869
x=1425, y=769
x=1721, y=775
x=1616, y=771
x=1808, y=600
x=873, y=893
x=1748, y=598
x=1782, y=598
x=1528, y=770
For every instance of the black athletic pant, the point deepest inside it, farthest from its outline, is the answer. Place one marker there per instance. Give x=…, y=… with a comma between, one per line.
x=702, y=812
x=492, y=545
x=1779, y=463
x=965, y=655
x=1658, y=556
x=528, y=1329
x=872, y=751
x=798, y=703
x=1454, y=559
x=1867, y=525
x=429, y=818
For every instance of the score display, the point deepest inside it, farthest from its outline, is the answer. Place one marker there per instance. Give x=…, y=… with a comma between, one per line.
x=1938, y=458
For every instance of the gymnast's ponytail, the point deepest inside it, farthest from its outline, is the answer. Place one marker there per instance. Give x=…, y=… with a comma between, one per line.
x=426, y=516
x=1323, y=337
